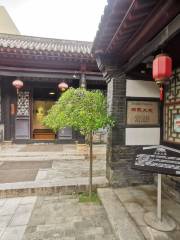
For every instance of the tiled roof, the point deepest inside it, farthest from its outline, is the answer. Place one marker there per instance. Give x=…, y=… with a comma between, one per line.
x=58, y=46
x=121, y=24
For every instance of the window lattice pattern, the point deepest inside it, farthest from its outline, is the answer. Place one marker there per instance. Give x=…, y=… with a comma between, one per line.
x=172, y=111
x=23, y=106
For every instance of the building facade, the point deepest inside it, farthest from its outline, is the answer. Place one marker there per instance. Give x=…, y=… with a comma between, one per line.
x=41, y=64
x=6, y=23
x=130, y=35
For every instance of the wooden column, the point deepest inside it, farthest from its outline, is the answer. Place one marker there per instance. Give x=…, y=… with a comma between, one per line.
x=6, y=101
x=82, y=82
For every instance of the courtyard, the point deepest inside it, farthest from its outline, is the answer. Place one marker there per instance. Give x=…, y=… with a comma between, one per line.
x=40, y=187
x=60, y=216
x=45, y=168
x=52, y=217
x=105, y=72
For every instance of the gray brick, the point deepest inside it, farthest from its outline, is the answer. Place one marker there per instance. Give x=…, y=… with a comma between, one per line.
x=119, y=156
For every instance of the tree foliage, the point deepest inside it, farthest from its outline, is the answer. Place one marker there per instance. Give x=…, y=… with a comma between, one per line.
x=80, y=109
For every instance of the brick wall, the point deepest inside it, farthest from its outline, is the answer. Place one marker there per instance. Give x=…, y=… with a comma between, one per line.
x=120, y=157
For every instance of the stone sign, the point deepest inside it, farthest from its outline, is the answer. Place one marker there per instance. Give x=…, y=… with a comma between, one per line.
x=142, y=113
x=158, y=159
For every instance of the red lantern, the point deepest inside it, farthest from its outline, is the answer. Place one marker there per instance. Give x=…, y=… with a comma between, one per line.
x=162, y=70
x=63, y=86
x=18, y=84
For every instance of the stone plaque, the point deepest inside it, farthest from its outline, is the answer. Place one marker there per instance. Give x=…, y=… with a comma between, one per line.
x=142, y=113
x=158, y=159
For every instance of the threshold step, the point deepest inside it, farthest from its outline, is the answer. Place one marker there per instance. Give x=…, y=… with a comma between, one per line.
x=64, y=186
x=122, y=224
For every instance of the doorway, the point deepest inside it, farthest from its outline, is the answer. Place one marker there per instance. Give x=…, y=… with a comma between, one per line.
x=43, y=100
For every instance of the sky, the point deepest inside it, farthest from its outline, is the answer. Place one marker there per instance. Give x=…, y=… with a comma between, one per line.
x=64, y=19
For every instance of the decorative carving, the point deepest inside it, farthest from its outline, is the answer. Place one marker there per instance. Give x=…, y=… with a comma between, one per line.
x=23, y=106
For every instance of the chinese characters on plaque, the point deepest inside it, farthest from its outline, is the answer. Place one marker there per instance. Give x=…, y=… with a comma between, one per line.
x=142, y=113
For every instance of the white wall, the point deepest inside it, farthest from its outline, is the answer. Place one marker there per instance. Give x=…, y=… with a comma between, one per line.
x=6, y=23
x=142, y=136
x=138, y=88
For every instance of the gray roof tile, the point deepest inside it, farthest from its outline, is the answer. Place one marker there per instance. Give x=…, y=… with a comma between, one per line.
x=67, y=47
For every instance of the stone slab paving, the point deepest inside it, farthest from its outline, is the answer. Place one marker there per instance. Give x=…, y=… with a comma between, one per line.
x=121, y=222
x=17, y=175
x=18, y=171
x=141, y=199
x=25, y=165
x=14, y=217
x=62, y=217
x=43, y=149
x=34, y=172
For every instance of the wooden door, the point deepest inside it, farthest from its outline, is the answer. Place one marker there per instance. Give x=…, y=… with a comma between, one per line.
x=22, y=122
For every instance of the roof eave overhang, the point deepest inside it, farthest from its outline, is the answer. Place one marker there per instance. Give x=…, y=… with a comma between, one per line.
x=124, y=46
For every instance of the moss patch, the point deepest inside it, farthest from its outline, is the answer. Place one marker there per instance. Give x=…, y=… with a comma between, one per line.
x=84, y=198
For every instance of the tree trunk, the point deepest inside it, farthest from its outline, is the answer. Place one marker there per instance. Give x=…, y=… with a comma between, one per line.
x=90, y=163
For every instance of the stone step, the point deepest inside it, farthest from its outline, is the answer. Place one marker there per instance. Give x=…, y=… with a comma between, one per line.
x=35, y=154
x=64, y=186
x=40, y=157
x=47, y=157
x=122, y=224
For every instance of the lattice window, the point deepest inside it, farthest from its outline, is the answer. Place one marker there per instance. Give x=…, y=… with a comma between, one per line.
x=23, y=105
x=172, y=111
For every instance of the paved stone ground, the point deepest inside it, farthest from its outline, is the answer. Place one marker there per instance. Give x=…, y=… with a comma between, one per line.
x=14, y=217
x=13, y=149
x=65, y=218
x=141, y=199
x=52, y=218
x=18, y=171
x=45, y=148
x=46, y=165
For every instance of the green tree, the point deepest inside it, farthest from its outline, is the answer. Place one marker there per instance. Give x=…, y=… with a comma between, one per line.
x=85, y=111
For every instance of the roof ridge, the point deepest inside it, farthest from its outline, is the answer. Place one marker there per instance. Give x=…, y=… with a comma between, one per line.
x=68, y=47
x=27, y=37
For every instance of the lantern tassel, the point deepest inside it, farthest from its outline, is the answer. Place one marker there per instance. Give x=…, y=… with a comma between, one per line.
x=161, y=93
